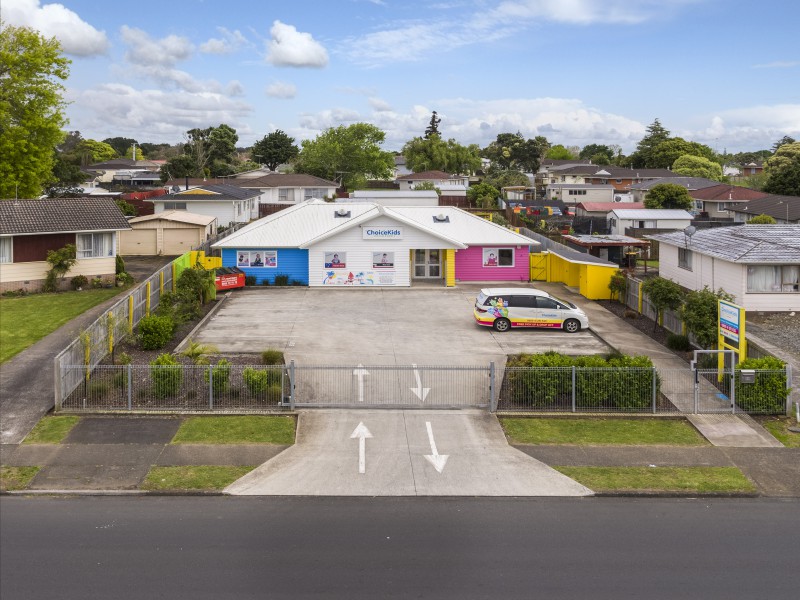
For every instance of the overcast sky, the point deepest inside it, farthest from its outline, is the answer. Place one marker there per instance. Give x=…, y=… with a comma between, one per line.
x=722, y=72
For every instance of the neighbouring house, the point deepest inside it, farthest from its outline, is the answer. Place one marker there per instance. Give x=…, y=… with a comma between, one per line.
x=716, y=201
x=640, y=190
x=784, y=209
x=751, y=168
x=228, y=203
x=758, y=264
x=614, y=248
x=289, y=188
x=365, y=244
x=138, y=179
x=169, y=233
x=30, y=228
x=574, y=193
x=437, y=178
x=592, y=217
x=394, y=197
x=105, y=171
x=400, y=167
x=626, y=221
x=621, y=178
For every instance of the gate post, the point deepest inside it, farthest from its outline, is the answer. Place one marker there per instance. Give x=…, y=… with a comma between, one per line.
x=492, y=391
x=733, y=389
x=788, y=368
x=57, y=387
x=655, y=376
x=210, y=387
x=574, y=391
x=130, y=391
x=291, y=385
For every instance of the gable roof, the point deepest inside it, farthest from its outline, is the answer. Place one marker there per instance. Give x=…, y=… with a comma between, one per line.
x=724, y=191
x=279, y=180
x=308, y=223
x=609, y=206
x=209, y=193
x=124, y=163
x=423, y=175
x=176, y=216
x=690, y=183
x=60, y=215
x=776, y=244
x=648, y=214
x=778, y=207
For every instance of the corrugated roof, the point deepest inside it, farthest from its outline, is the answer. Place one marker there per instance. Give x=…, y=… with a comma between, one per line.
x=648, y=214
x=365, y=194
x=425, y=175
x=609, y=206
x=177, y=216
x=308, y=223
x=778, y=207
x=690, y=183
x=748, y=244
x=216, y=192
x=582, y=186
x=289, y=180
x=60, y=215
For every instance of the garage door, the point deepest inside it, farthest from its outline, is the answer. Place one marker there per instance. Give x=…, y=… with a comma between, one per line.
x=138, y=242
x=178, y=241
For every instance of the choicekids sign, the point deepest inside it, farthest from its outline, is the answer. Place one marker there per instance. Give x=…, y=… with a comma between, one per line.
x=382, y=233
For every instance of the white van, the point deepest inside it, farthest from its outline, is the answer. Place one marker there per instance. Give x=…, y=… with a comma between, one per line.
x=503, y=308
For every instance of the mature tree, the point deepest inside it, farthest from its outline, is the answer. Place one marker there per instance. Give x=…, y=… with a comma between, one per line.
x=222, y=143
x=120, y=144
x=663, y=294
x=483, y=195
x=782, y=142
x=783, y=171
x=668, y=195
x=274, y=149
x=642, y=157
x=140, y=154
x=502, y=179
x=160, y=151
x=668, y=151
x=180, y=167
x=433, y=126
x=66, y=179
x=70, y=141
x=699, y=314
x=697, y=166
x=31, y=109
x=428, y=186
x=513, y=151
x=96, y=151
x=434, y=154
x=762, y=219
x=350, y=154
x=560, y=152
x=599, y=154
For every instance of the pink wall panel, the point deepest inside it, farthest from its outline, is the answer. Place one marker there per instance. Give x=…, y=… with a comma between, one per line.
x=469, y=266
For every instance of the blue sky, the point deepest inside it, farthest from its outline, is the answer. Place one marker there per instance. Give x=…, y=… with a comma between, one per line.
x=722, y=72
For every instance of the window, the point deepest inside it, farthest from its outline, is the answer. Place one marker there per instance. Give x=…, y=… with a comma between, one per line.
x=314, y=193
x=618, y=180
x=522, y=302
x=95, y=245
x=505, y=257
x=547, y=303
x=685, y=258
x=283, y=194
x=773, y=278
x=6, y=246
x=174, y=205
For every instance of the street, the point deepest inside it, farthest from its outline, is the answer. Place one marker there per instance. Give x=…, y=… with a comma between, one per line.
x=224, y=547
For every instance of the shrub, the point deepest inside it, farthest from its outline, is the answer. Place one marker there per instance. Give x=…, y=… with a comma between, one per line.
x=166, y=374
x=155, y=331
x=50, y=282
x=120, y=379
x=259, y=381
x=195, y=283
x=97, y=283
x=221, y=373
x=249, y=279
x=78, y=282
x=97, y=388
x=123, y=358
x=119, y=265
x=678, y=342
x=270, y=356
x=618, y=284
x=60, y=261
x=768, y=394
x=124, y=278
x=199, y=353
x=281, y=280
x=265, y=282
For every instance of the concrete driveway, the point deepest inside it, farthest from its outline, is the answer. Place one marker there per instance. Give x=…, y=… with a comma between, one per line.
x=432, y=326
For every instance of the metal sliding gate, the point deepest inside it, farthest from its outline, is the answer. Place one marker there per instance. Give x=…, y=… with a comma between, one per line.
x=394, y=386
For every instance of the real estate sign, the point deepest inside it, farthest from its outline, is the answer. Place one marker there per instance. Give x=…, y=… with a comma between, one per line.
x=731, y=328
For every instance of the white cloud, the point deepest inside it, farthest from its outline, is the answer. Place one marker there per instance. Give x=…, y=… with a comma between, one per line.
x=143, y=50
x=291, y=48
x=281, y=89
x=747, y=128
x=229, y=43
x=77, y=37
x=121, y=110
x=379, y=104
x=778, y=64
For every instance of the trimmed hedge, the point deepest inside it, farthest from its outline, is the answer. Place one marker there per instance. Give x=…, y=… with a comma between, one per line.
x=155, y=331
x=166, y=374
x=769, y=392
x=262, y=382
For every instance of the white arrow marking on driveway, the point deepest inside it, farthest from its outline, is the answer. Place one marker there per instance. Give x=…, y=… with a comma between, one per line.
x=437, y=460
x=360, y=372
x=419, y=391
x=362, y=433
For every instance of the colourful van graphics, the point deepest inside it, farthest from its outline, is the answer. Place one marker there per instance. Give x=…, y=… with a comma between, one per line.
x=504, y=308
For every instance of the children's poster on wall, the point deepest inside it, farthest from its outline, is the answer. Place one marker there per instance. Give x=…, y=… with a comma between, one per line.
x=271, y=259
x=383, y=260
x=335, y=260
x=490, y=257
x=243, y=259
x=257, y=258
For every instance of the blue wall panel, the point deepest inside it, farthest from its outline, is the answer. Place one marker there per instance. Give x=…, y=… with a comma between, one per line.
x=291, y=261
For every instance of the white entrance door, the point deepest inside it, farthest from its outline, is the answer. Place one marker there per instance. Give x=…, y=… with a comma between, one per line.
x=427, y=264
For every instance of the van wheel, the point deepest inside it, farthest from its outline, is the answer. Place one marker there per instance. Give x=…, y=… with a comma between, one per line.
x=501, y=325
x=572, y=326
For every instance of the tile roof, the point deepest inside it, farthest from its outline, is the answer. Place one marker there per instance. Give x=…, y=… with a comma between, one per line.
x=278, y=180
x=177, y=216
x=690, y=183
x=778, y=207
x=426, y=175
x=124, y=163
x=609, y=206
x=747, y=244
x=724, y=191
x=60, y=215
x=648, y=214
x=216, y=192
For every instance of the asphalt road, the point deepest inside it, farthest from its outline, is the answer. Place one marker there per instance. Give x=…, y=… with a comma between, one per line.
x=221, y=547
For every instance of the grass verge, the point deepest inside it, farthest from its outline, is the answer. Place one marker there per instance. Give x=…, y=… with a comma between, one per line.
x=51, y=430
x=779, y=427
x=16, y=478
x=602, y=431
x=28, y=319
x=259, y=429
x=202, y=477
x=700, y=480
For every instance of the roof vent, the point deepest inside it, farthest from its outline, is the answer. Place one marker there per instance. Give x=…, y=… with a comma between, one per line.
x=441, y=218
x=342, y=213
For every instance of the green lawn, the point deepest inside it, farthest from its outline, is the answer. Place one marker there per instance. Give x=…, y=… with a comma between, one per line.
x=602, y=431
x=193, y=478
x=661, y=479
x=16, y=478
x=51, y=430
x=779, y=427
x=260, y=429
x=28, y=319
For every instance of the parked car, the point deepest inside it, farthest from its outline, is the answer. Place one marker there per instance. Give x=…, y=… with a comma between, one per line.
x=504, y=308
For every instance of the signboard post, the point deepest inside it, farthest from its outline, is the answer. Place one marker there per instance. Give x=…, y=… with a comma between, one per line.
x=731, y=331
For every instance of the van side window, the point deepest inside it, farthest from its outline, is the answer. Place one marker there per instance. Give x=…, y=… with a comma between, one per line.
x=522, y=301
x=548, y=303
